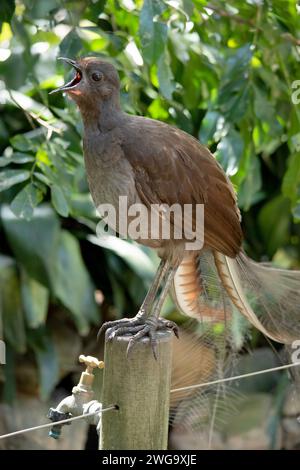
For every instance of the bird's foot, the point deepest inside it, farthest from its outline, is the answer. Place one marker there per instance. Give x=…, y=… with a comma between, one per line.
x=121, y=326
x=139, y=327
x=149, y=329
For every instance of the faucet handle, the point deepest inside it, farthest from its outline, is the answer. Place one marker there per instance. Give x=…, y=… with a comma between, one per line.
x=91, y=363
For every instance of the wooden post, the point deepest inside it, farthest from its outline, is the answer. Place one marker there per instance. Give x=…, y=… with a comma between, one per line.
x=140, y=386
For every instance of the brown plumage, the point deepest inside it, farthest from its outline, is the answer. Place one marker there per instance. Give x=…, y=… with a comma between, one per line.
x=171, y=167
x=151, y=162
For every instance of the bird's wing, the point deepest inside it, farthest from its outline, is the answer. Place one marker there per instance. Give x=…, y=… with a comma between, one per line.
x=170, y=166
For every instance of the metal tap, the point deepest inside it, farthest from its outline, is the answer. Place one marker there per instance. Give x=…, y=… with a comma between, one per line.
x=81, y=400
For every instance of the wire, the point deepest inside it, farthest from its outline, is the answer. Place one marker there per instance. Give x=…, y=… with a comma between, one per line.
x=63, y=421
x=236, y=377
x=182, y=389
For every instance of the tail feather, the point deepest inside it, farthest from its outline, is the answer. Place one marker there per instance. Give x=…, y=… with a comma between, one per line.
x=223, y=292
x=194, y=277
x=187, y=287
x=270, y=296
x=210, y=286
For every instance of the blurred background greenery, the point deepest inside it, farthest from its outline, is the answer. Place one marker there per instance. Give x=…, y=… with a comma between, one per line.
x=221, y=70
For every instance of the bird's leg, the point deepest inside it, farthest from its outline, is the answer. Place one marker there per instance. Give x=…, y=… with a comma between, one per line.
x=147, y=304
x=154, y=323
x=136, y=323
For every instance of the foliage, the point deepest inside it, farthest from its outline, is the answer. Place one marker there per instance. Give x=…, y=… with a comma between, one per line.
x=222, y=71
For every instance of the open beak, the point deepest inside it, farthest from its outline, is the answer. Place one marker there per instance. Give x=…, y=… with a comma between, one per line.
x=74, y=82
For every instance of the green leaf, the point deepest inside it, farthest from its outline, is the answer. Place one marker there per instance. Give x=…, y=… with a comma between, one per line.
x=209, y=126
x=53, y=259
x=82, y=206
x=153, y=34
x=9, y=178
x=25, y=201
x=59, y=201
x=47, y=360
x=249, y=190
x=16, y=157
x=44, y=179
x=11, y=305
x=295, y=142
x=20, y=142
x=73, y=285
x=10, y=386
x=7, y=10
x=296, y=212
x=263, y=108
x=131, y=253
x=234, y=102
x=229, y=151
x=165, y=76
x=34, y=243
x=273, y=221
x=291, y=179
x=156, y=110
x=234, y=94
x=35, y=298
x=119, y=296
x=71, y=45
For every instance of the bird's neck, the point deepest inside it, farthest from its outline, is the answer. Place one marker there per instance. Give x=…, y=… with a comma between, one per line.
x=102, y=116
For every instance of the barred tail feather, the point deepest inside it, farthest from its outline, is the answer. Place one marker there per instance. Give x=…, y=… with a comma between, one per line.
x=197, y=289
x=223, y=292
x=267, y=296
x=209, y=286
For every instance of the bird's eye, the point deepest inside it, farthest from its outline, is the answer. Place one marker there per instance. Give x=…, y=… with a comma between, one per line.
x=97, y=76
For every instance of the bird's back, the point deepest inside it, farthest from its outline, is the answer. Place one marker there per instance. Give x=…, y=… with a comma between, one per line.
x=170, y=167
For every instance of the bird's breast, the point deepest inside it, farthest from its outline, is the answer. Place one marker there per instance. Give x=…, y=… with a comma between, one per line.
x=111, y=180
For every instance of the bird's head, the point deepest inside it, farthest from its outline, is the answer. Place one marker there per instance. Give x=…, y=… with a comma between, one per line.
x=94, y=81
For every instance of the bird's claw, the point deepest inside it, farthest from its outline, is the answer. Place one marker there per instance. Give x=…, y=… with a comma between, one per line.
x=125, y=329
x=139, y=328
x=118, y=325
x=170, y=325
x=149, y=329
